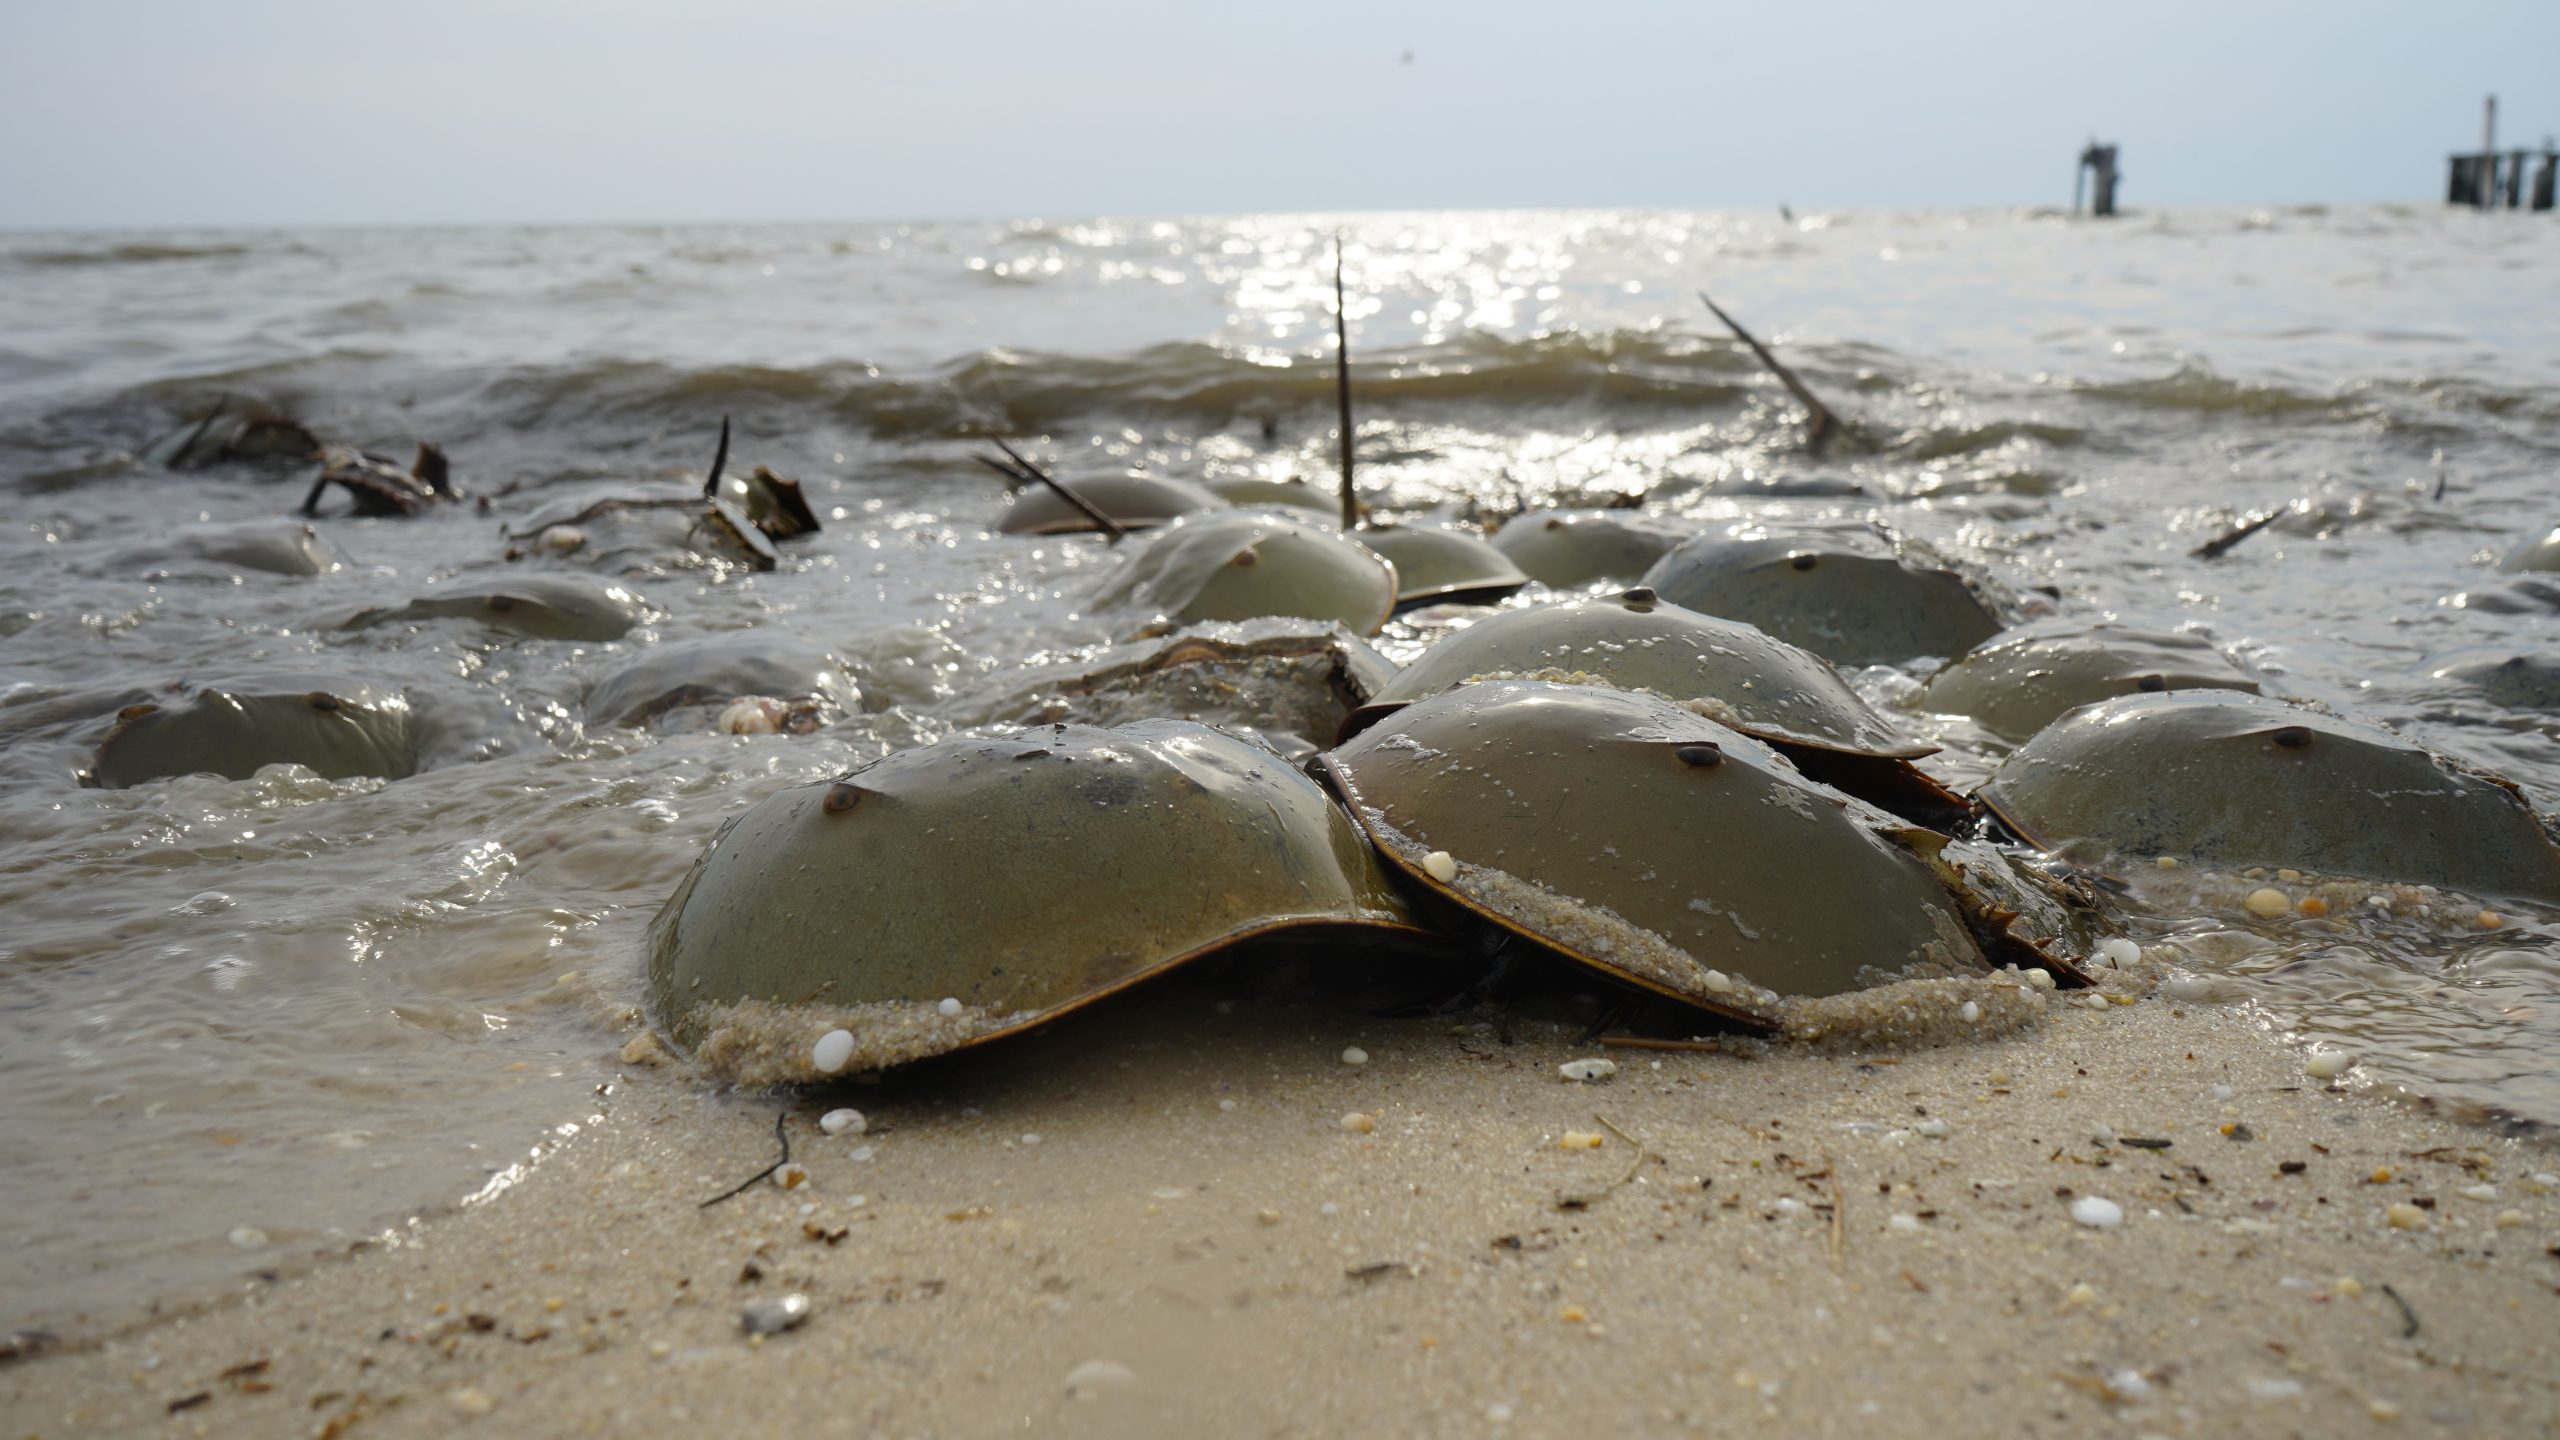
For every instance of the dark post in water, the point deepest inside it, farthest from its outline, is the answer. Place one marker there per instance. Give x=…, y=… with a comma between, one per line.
x=2486, y=180
x=2100, y=160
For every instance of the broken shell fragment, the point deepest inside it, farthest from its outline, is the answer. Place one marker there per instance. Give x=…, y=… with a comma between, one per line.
x=865, y=904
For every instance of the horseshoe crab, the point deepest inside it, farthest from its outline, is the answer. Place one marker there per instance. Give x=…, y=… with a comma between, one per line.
x=1289, y=684
x=2022, y=680
x=1135, y=502
x=1251, y=490
x=540, y=607
x=1845, y=595
x=1648, y=842
x=1247, y=564
x=950, y=894
x=1784, y=697
x=253, y=433
x=272, y=547
x=1434, y=565
x=2239, y=780
x=2542, y=554
x=735, y=521
x=2511, y=679
x=1567, y=549
x=380, y=487
x=338, y=727
x=804, y=686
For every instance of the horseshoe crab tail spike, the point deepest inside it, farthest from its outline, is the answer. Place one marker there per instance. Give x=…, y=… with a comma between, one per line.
x=1110, y=527
x=195, y=437
x=1820, y=422
x=1342, y=386
x=434, y=469
x=1013, y=479
x=311, y=503
x=719, y=462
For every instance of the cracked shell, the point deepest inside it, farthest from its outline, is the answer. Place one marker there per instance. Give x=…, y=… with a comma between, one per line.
x=1434, y=565
x=2022, y=680
x=1565, y=549
x=1021, y=877
x=1844, y=595
x=340, y=728
x=1248, y=564
x=1650, y=843
x=1137, y=502
x=2239, y=780
x=540, y=607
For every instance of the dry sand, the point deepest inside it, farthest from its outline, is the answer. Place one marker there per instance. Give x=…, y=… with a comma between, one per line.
x=1196, y=1244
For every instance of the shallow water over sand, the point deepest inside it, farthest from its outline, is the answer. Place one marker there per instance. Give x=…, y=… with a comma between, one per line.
x=247, y=1022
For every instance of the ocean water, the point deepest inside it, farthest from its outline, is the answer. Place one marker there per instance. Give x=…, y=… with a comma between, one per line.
x=243, y=1023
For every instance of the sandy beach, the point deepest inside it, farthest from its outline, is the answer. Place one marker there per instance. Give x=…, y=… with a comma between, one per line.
x=1156, y=1219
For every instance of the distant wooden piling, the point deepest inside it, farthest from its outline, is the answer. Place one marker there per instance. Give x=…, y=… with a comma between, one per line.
x=2097, y=162
x=2491, y=179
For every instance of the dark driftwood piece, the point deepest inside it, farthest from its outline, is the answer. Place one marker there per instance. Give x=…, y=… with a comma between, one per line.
x=1820, y=421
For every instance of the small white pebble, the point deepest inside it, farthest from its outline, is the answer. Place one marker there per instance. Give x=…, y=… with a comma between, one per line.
x=2079, y=1295
x=2328, y=1064
x=2094, y=1000
x=1354, y=1055
x=2128, y=1386
x=1787, y=1207
x=949, y=1007
x=1328, y=1208
x=2263, y=1388
x=2405, y=1216
x=2167, y=862
x=2119, y=952
x=1031, y=1137
x=843, y=1122
x=1498, y=1414
x=2097, y=1212
x=2509, y=1219
x=249, y=1237
x=863, y=1152
x=2382, y=1410
x=472, y=1401
x=833, y=1051
x=1718, y=981
x=2040, y=979
x=772, y=1317
x=2223, y=1092
x=2267, y=902
x=1933, y=1127
x=1587, y=1069
x=1227, y=1107
x=2482, y=1193
x=1358, y=1123
x=1968, y=1012
x=1440, y=866
x=1903, y=1224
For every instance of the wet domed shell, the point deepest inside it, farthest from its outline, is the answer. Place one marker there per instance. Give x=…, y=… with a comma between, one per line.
x=711, y=669
x=272, y=547
x=1639, y=838
x=1765, y=688
x=339, y=727
x=1435, y=565
x=1012, y=878
x=1324, y=506
x=1566, y=549
x=542, y=607
x=2022, y=680
x=1135, y=502
x=1249, y=564
x=2540, y=554
x=1844, y=595
x=2515, y=679
x=2241, y=780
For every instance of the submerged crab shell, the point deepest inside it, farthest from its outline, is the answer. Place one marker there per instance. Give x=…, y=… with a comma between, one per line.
x=274, y=547
x=1568, y=548
x=541, y=607
x=2541, y=554
x=2240, y=780
x=711, y=668
x=2025, y=679
x=1137, y=502
x=1248, y=564
x=1433, y=564
x=1771, y=690
x=1849, y=600
x=340, y=729
x=1022, y=877
x=1246, y=490
x=1610, y=801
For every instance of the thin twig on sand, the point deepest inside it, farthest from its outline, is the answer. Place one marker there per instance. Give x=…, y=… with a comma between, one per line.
x=741, y=1187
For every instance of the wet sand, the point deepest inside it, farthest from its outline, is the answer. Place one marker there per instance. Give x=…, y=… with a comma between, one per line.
x=1196, y=1243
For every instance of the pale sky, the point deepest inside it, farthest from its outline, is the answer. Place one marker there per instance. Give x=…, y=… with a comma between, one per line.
x=290, y=112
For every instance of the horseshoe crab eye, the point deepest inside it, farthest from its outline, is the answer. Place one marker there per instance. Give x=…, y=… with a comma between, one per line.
x=322, y=701
x=841, y=797
x=1700, y=757
x=2292, y=737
